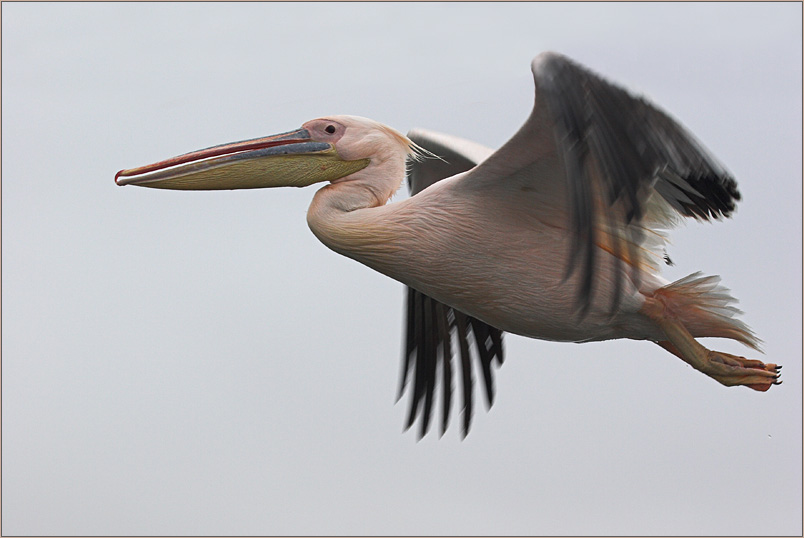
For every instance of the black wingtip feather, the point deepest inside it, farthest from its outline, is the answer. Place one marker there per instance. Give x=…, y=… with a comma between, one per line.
x=430, y=363
x=446, y=363
x=430, y=328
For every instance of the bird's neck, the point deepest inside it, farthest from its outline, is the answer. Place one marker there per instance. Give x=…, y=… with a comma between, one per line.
x=348, y=215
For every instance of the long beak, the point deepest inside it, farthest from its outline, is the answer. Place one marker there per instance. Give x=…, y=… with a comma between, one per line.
x=289, y=159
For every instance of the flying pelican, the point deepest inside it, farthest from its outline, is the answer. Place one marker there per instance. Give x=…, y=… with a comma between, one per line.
x=557, y=235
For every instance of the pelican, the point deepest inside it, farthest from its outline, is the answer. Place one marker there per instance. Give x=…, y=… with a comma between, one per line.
x=557, y=235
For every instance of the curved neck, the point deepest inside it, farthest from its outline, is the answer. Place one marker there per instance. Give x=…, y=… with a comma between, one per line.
x=348, y=215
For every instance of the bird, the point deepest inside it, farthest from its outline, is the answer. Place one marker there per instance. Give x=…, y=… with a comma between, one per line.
x=557, y=235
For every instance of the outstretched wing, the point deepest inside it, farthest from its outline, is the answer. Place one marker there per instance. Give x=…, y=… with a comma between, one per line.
x=433, y=327
x=625, y=167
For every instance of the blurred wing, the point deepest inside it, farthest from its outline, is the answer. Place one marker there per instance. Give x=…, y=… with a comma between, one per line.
x=433, y=327
x=624, y=168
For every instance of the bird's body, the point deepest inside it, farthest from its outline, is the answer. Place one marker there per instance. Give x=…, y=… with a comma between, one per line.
x=516, y=285
x=557, y=235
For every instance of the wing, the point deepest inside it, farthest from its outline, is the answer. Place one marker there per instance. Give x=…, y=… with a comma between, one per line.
x=624, y=167
x=433, y=327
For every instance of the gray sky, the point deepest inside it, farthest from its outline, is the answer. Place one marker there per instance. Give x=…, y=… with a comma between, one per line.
x=183, y=363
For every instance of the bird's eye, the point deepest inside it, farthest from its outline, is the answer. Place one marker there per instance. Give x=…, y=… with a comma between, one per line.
x=330, y=129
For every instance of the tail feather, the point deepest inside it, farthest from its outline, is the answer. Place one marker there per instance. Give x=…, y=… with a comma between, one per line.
x=707, y=309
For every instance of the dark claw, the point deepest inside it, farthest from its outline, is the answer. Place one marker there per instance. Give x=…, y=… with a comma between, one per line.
x=778, y=366
x=777, y=382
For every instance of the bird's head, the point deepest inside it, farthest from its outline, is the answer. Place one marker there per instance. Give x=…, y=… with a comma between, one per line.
x=325, y=149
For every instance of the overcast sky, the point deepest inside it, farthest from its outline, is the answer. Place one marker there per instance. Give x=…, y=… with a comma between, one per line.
x=197, y=363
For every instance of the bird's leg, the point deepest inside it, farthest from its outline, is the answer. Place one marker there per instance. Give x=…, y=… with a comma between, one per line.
x=730, y=370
